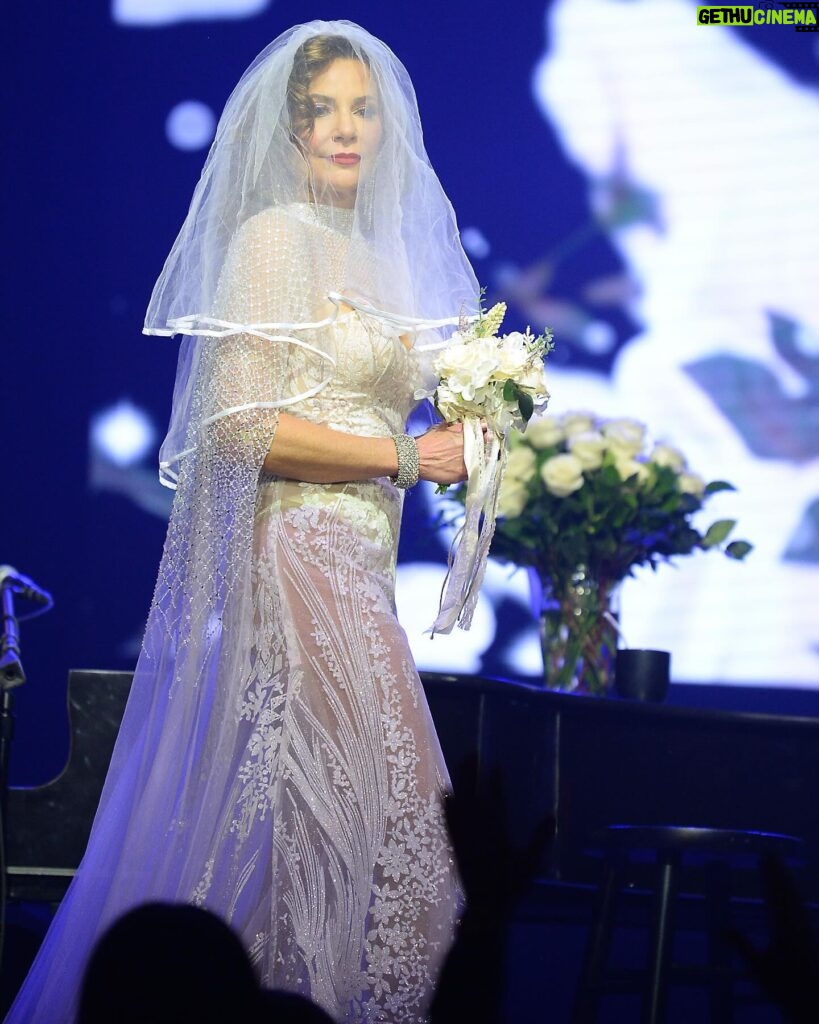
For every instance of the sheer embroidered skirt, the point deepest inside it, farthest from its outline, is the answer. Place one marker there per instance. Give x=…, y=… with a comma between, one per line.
x=333, y=858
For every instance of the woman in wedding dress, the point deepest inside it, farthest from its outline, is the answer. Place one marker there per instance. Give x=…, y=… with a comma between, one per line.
x=277, y=763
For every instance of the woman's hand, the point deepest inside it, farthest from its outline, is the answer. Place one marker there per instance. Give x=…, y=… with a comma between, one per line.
x=441, y=451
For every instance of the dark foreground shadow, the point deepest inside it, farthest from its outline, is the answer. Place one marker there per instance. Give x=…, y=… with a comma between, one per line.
x=171, y=962
x=496, y=876
x=786, y=968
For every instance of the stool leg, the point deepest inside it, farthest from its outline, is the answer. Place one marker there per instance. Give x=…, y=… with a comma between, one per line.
x=662, y=934
x=587, y=996
x=719, y=953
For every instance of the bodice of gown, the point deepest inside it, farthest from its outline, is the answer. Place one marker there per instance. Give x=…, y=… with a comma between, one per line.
x=371, y=393
x=374, y=381
x=375, y=376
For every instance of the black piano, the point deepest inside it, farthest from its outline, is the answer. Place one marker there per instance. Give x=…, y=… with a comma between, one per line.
x=585, y=762
x=48, y=825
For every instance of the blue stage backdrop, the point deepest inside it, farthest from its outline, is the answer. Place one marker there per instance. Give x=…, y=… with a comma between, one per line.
x=696, y=311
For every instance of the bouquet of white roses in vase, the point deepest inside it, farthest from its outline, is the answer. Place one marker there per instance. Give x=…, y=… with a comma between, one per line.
x=584, y=501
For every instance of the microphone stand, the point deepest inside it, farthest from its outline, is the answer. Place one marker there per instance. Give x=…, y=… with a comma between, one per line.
x=11, y=676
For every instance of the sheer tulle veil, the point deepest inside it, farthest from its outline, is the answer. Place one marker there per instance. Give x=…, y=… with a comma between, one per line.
x=405, y=259
x=235, y=287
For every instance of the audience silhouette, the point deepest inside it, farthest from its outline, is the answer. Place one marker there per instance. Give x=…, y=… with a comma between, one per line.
x=495, y=875
x=787, y=968
x=165, y=963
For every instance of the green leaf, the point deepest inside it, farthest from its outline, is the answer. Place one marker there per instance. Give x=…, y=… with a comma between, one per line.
x=509, y=391
x=718, y=485
x=738, y=549
x=526, y=405
x=717, y=532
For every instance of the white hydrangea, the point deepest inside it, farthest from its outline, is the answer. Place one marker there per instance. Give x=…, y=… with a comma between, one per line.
x=512, y=356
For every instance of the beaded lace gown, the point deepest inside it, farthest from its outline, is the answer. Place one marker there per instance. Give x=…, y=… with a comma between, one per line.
x=290, y=778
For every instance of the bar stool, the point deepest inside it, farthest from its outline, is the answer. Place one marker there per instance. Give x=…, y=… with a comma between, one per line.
x=672, y=850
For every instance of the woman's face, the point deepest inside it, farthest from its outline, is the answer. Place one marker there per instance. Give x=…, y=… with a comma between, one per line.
x=346, y=131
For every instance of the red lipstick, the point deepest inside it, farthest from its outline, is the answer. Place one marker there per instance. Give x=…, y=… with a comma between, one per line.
x=345, y=159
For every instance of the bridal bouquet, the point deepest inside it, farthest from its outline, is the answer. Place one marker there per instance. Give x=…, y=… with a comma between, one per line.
x=497, y=381
x=495, y=378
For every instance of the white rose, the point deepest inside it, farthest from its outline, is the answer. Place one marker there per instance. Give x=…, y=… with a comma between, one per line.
x=578, y=422
x=535, y=380
x=666, y=455
x=562, y=475
x=627, y=467
x=544, y=432
x=468, y=367
x=512, y=356
x=691, y=483
x=625, y=437
x=521, y=464
x=588, y=447
x=512, y=498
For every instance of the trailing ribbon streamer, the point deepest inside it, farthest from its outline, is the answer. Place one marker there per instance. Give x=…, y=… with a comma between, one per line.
x=485, y=463
x=493, y=383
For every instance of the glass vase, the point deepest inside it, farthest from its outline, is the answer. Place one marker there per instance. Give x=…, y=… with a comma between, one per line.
x=578, y=632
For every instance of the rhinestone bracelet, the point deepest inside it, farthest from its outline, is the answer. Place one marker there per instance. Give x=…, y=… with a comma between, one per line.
x=409, y=463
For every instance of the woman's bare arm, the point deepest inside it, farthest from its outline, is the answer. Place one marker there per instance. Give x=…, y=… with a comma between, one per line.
x=307, y=451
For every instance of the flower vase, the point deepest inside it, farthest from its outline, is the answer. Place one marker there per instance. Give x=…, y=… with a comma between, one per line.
x=578, y=632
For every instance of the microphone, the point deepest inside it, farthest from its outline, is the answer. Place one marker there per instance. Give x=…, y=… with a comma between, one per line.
x=22, y=585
